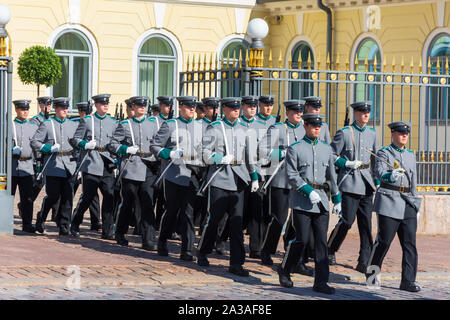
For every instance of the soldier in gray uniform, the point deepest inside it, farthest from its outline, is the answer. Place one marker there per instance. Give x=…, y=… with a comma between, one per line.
x=22, y=162
x=179, y=141
x=132, y=138
x=273, y=146
x=257, y=210
x=313, y=105
x=397, y=204
x=52, y=138
x=356, y=182
x=200, y=110
x=310, y=163
x=45, y=106
x=93, y=134
x=226, y=148
x=94, y=208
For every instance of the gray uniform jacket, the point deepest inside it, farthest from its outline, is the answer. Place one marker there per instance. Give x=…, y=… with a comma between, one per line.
x=260, y=126
x=143, y=132
x=104, y=128
x=43, y=139
x=23, y=131
x=325, y=133
x=389, y=202
x=185, y=135
x=244, y=165
x=38, y=119
x=345, y=148
x=310, y=162
x=279, y=137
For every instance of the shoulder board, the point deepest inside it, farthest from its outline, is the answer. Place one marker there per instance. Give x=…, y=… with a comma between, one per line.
x=373, y=129
x=112, y=118
x=47, y=120
x=88, y=116
x=151, y=119
x=384, y=148
x=243, y=124
x=123, y=121
x=347, y=127
x=324, y=142
x=295, y=143
x=35, y=117
x=73, y=121
x=171, y=120
x=260, y=122
x=409, y=150
x=215, y=122
x=278, y=124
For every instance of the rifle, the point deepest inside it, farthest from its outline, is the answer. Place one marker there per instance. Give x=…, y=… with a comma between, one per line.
x=170, y=115
x=46, y=115
x=121, y=112
x=347, y=117
x=278, y=114
x=116, y=115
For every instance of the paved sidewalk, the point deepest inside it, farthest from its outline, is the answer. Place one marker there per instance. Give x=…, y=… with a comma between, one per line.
x=43, y=266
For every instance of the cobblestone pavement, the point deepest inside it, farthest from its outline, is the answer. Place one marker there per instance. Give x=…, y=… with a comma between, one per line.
x=47, y=266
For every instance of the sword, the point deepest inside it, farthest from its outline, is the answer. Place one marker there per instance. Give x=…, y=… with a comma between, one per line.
x=162, y=174
x=266, y=184
x=395, y=166
x=39, y=177
x=201, y=191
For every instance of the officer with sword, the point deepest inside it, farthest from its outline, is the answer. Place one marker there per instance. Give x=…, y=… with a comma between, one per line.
x=356, y=182
x=93, y=134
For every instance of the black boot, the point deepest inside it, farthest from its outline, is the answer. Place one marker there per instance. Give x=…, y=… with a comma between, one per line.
x=28, y=228
x=301, y=268
x=238, y=270
x=202, y=260
x=162, y=248
x=323, y=287
x=266, y=259
x=149, y=246
x=121, y=240
x=220, y=247
x=75, y=231
x=331, y=259
x=186, y=256
x=409, y=286
x=284, y=277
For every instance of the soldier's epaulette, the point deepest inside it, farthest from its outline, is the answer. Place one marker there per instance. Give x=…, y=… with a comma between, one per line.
x=112, y=118
x=73, y=121
x=215, y=122
x=151, y=119
x=171, y=120
x=278, y=124
x=293, y=144
x=324, y=142
x=409, y=150
x=373, y=129
x=117, y=121
x=47, y=120
x=347, y=127
x=243, y=124
x=35, y=117
x=87, y=117
x=384, y=148
x=123, y=121
x=260, y=121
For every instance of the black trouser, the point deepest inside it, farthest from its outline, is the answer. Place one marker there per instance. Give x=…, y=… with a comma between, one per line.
x=140, y=195
x=221, y=202
x=353, y=206
x=25, y=184
x=94, y=208
x=58, y=188
x=279, y=199
x=160, y=201
x=406, y=231
x=304, y=224
x=181, y=211
x=90, y=185
x=257, y=206
x=289, y=234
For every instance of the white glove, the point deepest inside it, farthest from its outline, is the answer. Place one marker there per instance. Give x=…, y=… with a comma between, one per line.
x=227, y=159
x=55, y=148
x=132, y=149
x=397, y=173
x=115, y=172
x=255, y=186
x=314, y=197
x=90, y=145
x=337, y=208
x=79, y=175
x=353, y=164
x=16, y=150
x=176, y=154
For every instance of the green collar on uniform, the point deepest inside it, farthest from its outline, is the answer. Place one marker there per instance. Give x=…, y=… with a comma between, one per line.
x=58, y=120
x=41, y=114
x=354, y=125
x=262, y=117
x=313, y=142
x=397, y=148
x=206, y=120
x=98, y=117
x=184, y=120
x=229, y=123
x=247, y=120
x=162, y=117
x=20, y=121
x=290, y=125
x=139, y=121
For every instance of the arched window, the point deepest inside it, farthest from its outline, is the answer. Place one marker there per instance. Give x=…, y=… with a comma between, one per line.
x=368, y=49
x=234, y=49
x=157, y=67
x=302, y=89
x=75, y=53
x=438, y=98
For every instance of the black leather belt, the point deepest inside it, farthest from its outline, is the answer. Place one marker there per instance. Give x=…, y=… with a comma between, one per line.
x=395, y=188
x=100, y=149
x=64, y=153
x=364, y=166
x=24, y=158
x=319, y=186
x=144, y=154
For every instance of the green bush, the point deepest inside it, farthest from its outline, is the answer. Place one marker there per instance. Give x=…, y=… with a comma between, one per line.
x=40, y=66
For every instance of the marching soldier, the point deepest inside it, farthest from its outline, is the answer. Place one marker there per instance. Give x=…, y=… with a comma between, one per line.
x=313, y=105
x=22, y=162
x=200, y=110
x=52, y=138
x=356, y=182
x=155, y=110
x=397, y=203
x=310, y=163
x=45, y=106
x=94, y=208
x=233, y=165
x=179, y=141
x=274, y=145
x=132, y=138
x=93, y=134
x=129, y=109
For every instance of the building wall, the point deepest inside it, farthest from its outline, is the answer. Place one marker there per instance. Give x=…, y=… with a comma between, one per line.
x=116, y=27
